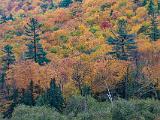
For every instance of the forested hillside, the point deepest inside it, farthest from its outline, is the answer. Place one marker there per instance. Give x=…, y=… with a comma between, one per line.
x=74, y=55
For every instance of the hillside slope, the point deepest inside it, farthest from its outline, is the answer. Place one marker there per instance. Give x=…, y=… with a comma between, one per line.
x=75, y=39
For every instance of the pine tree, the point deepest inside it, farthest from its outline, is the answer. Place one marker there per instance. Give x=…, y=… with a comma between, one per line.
x=52, y=97
x=35, y=49
x=9, y=57
x=155, y=32
x=55, y=96
x=7, y=60
x=65, y=3
x=52, y=5
x=123, y=43
x=78, y=1
x=3, y=19
x=158, y=6
x=144, y=2
x=151, y=7
x=28, y=98
x=10, y=109
x=86, y=90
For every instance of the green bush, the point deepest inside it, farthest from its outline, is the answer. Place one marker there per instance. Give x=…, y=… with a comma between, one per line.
x=36, y=113
x=105, y=6
x=9, y=34
x=63, y=38
x=74, y=105
x=149, y=109
x=136, y=110
x=95, y=110
x=94, y=29
x=53, y=50
x=54, y=28
x=76, y=33
x=75, y=110
x=1, y=117
x=123, y=110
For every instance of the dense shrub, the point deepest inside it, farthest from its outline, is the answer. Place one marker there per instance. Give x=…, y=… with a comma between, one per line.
x=1, y=117
x=75, y=110
x=95, y=110
x=36, y=113
x=136, y=110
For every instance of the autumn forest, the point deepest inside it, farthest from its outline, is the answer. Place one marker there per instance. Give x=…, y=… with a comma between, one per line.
x=79, y=59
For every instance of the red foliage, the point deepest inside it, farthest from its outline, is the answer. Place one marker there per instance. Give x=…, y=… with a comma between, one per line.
x=106, y=25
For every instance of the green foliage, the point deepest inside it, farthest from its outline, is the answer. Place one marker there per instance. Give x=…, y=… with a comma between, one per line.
x=1, y=117
x=94, y=29
x=155, y=32
x=52, y=97
x=76, y=33
x=4, y=18
x=54, y=28
x=135, y=109
x=48, y=5
x=55, y=96
x=144, y=2
x=81, y=48
x=9, y=34
x=90, y=21
x=35, y=49
x=63, y=38
x=144, y=29
x=36, y=113
x=122, y=4
x=123, y=44
x=86, y=90
x=18, y=33
x=123, y=110
x=105, y=6
x=27, y=97
x=65, y=3
x=9, y=57
x=151, y=8
x=84, y=49
x=43, y=99
x=158, y=6
x=53, y=50
x=75, y=110
x=75, y=105
x=78, y=0
x=10, y=109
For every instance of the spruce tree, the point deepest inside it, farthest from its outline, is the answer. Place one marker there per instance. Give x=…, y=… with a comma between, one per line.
x=65, y=3
x=7, y=60
x=10, y=109
x=55, y=96
x=35, y=49
x=3, y=19
x=159, y=6
x=52, y=97
x=151, y=7
x=9, y=57
x=78, y=1
x=123, y=43
x=154, y=31
x=144, y=2
x=28, y=98
x=52, y=5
